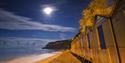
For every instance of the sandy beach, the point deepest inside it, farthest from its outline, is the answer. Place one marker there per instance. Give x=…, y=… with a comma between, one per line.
x=31, y=59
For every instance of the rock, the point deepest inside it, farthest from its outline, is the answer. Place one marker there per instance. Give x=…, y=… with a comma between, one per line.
x=62, y=44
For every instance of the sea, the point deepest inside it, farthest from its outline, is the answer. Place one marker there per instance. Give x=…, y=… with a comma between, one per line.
x=10, y=49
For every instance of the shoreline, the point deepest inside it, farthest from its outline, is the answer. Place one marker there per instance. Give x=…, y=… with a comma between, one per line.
x=31, y=58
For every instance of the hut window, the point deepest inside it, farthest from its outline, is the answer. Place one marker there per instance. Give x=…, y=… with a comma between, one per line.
x=88, y=35
x=101, y=38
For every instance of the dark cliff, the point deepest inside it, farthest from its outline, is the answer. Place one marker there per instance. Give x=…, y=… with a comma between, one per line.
x=62, y=44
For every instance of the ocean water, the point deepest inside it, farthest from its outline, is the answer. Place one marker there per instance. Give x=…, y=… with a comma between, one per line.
x=10, y=49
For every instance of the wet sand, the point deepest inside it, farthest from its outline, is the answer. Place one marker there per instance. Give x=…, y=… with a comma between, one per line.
x=31, y=58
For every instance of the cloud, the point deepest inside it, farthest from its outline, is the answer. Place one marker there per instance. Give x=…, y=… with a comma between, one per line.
x=14, y=42
x=62, y=36
x=21, y=38
x=11, y=21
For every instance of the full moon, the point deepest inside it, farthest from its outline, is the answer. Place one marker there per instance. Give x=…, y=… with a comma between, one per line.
x=48, y=10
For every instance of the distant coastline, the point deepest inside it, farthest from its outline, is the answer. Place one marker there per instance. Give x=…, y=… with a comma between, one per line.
x=59, y=45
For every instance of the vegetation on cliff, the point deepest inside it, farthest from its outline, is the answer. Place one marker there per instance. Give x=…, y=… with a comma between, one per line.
x=62, y=44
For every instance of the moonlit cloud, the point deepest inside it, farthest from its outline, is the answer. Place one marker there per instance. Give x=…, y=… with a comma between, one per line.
x=15, y=42
x=21, y=38
x=11, y=21
x=62, y=36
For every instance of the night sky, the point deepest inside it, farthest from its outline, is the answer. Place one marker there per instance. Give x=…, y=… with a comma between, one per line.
x=25, y=19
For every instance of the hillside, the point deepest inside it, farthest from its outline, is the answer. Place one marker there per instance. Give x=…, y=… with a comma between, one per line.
x=62, y=44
